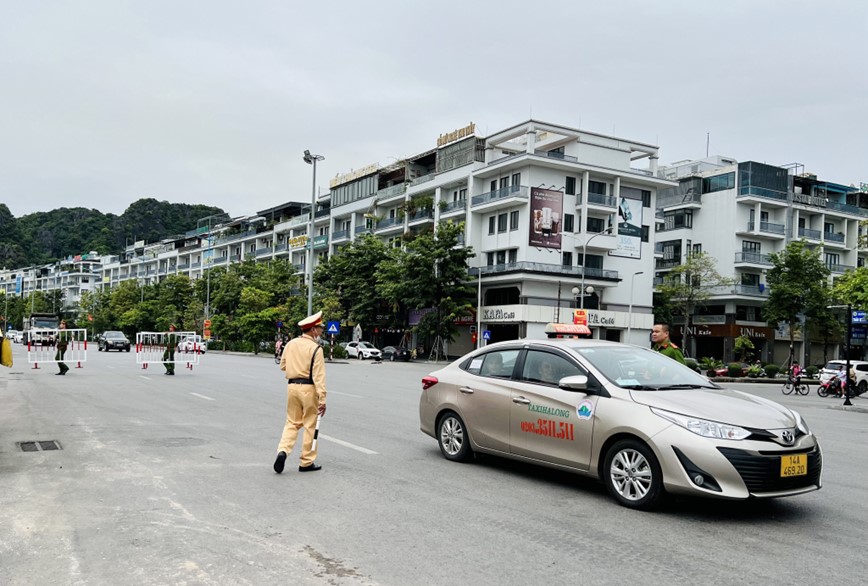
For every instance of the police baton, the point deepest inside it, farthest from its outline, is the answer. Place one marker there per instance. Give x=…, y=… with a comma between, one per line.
x=315, y=433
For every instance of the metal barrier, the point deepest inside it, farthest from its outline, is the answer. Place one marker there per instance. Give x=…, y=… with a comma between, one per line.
x=42, y=346
x=151, y=349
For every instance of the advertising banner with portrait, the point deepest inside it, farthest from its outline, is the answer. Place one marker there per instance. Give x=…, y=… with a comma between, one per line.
x=546, y=215
x=629, y=228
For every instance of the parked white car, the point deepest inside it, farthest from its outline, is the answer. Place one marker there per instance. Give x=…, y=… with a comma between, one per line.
x=362, y=350
x=832, y=367
x=192, y=344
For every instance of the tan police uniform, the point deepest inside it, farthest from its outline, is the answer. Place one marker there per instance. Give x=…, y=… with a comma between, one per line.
x=303, y=363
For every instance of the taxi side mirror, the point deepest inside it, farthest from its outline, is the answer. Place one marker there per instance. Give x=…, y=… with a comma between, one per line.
x=578, y=382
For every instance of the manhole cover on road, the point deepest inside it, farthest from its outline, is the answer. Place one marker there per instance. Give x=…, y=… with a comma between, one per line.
x=38, y=446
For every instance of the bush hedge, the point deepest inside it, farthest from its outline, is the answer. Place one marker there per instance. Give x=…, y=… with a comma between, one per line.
x=734, y=369
x=692, y=364
x=772, y=370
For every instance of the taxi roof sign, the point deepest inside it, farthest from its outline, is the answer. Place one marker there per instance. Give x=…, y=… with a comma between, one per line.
x=555, y=330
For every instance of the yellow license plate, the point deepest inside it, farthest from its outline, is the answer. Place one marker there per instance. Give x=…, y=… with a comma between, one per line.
x=794, y=465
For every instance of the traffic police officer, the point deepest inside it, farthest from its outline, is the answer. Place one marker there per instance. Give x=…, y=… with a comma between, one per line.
x=302, y=361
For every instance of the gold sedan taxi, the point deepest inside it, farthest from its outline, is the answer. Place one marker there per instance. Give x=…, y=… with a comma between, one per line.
x=639, y=421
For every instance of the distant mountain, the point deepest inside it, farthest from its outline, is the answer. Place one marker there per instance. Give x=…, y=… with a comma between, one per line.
x=44, y=237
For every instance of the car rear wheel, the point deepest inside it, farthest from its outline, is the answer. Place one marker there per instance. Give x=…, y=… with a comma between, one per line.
x=392, y=357
x=632, y=475
x=452, y=438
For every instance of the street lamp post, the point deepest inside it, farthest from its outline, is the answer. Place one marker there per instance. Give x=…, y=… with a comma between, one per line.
x=311, y=160
x=585, y=263
x=630, y=307
x=849, y=308
x=208, y=268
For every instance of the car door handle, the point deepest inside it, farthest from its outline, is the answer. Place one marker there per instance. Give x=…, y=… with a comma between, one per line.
x=466, y=390
x=521, y=401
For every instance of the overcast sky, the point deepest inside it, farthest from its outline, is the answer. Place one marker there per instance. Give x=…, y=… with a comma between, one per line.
x=213, y=102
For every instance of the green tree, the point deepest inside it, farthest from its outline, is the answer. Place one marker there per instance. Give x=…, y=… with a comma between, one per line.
x=434, y=269
x=744, y=348
x=352, y=276
x=690, y=285
x=798, y=284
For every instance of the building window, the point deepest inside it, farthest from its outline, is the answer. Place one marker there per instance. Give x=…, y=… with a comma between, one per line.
x=513, y=255
x=828, y=228
x=513, y=220
x=832, y=259
x=567, y=259
x=569, y=220
x=491, y=221
x=678, y=219
x=596, y=225
x=697, y=249
x=749, y=246
x=718, y=183
x=597, y=187
x=516, y=179
x=501, y=257
x=570, y=186
x=750, y=279
x=501, y=222
x=493, y=185
x=645, y=232
x=489, y=259
x=646, y=198
x=504, y=182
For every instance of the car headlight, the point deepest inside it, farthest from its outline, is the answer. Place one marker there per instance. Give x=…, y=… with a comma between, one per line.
x=801, y=424
x=703, y=427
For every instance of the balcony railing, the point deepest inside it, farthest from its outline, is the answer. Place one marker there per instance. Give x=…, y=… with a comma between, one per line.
x=519, y=191
x=556, y=155
x=833, y=237
x=667, y=263
x=809, y=234
x=389, y=222
x=539, y=267
x=235, y=258
x=361, y=230
x=753, y=290
x=753, y=258
x=321, y=213
x=846, y=208
x=603, y=200
x=423, y=179
x=421, y=215
x=461, y=204
x=839, y=268
x=340, y=235
x=768, y=227
x=263, y=251
x=752, y=191
x=389, y=192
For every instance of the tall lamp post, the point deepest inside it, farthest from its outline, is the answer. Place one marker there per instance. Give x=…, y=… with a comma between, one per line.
x=630, y=308
x=311, y=160
x=849, y=308
x=208, y=268
x=585, y=263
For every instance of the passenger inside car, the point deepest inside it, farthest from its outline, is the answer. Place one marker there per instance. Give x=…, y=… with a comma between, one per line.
x=492, y=365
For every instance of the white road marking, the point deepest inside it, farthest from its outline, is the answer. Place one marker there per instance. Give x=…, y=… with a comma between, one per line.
x=345, y=394
x=347, y=444
x=144, y=377
x=203, y=397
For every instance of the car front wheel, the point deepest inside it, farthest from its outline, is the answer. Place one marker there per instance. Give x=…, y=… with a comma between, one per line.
x=453, y=439
x=632, y=475
x=391, y=358
x=360, y=356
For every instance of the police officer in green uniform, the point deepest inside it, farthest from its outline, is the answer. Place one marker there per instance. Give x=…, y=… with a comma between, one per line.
x=62, y=345
x=169, y=353
x=662, y=343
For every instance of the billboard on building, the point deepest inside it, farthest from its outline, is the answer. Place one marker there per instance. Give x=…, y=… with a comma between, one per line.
x=546, y=215
x=629, y=228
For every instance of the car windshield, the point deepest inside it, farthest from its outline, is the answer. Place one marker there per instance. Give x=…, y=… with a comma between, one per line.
x=833, y=365
x=117, y=335
x=367, y=345
x=641, y=369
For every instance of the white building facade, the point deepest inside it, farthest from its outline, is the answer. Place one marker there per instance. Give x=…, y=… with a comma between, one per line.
x=739, y=213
